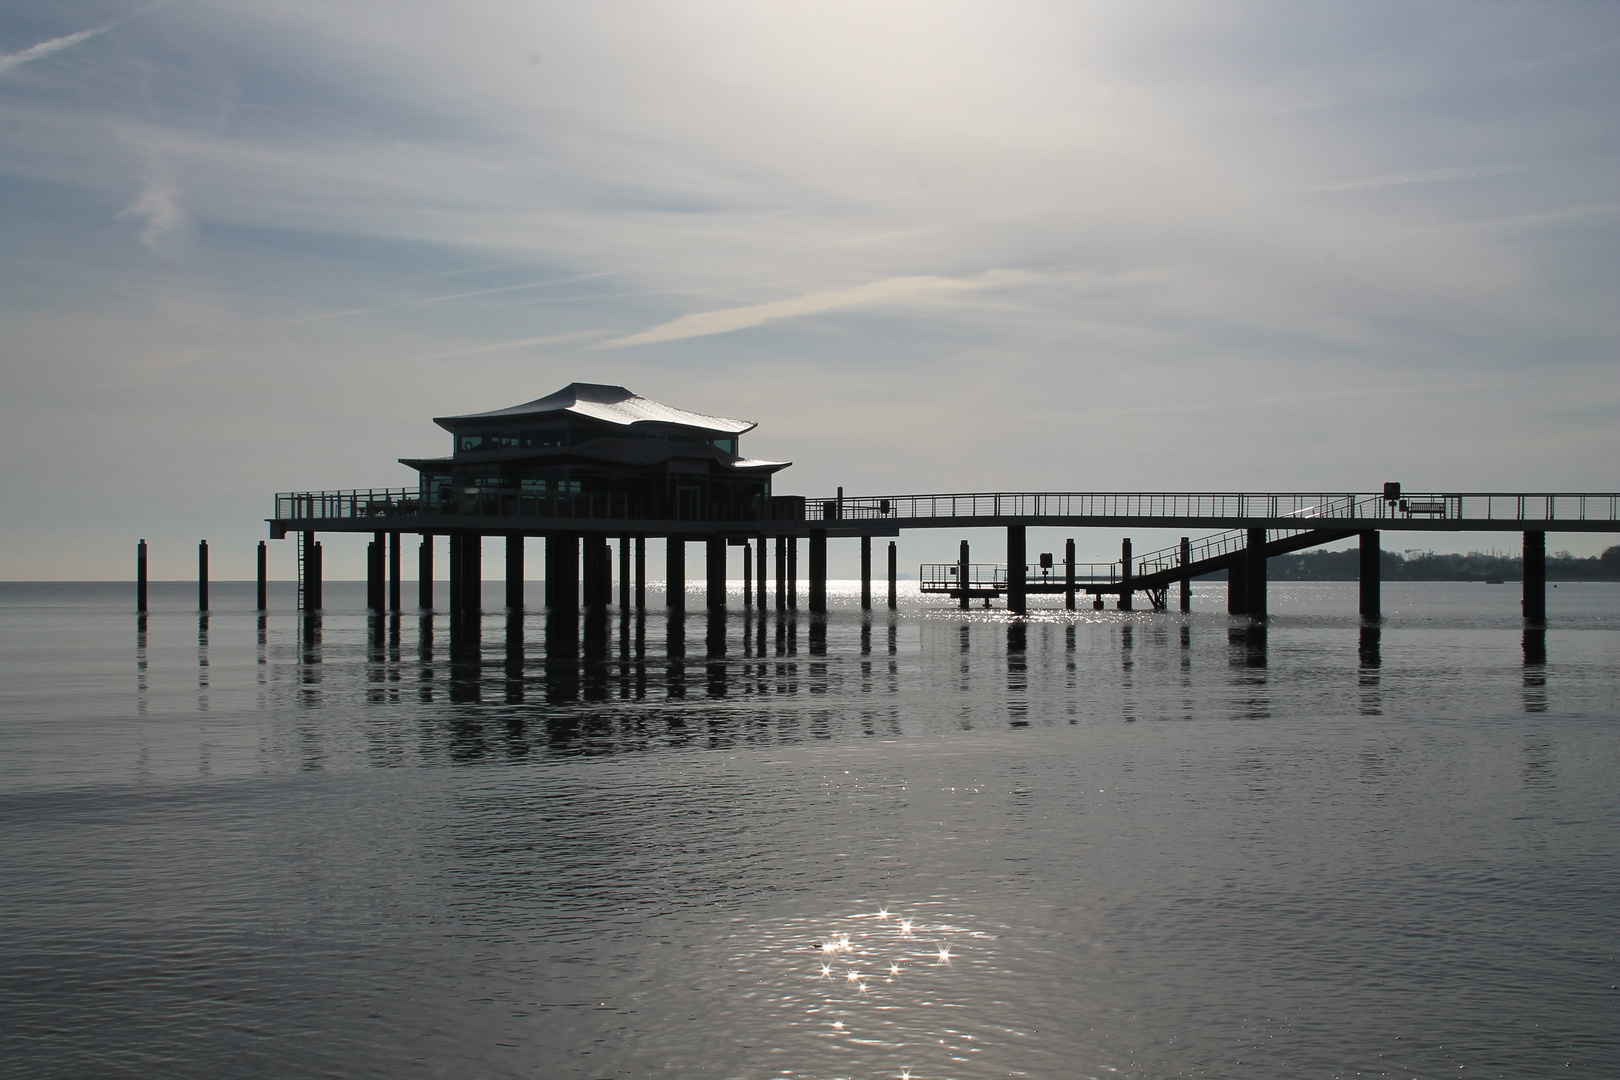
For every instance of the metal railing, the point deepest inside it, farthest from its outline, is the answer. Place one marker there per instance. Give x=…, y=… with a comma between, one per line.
x=492, y=502
x=1346, y=506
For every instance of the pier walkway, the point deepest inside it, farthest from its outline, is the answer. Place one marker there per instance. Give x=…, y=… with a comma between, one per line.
x=1251, y=527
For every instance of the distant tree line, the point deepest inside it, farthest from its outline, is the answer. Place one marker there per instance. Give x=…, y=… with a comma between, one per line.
x=1429, y=566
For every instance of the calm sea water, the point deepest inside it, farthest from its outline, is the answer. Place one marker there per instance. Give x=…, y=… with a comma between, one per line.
x=928, y=844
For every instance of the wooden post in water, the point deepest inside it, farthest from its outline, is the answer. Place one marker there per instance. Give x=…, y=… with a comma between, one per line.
x=1186, y=581
x=424, y=572
x=140, y=576
x=714, y=572
x=1371, y=575
x=866, y=573
x=781, y=573
x=395, y=586
x=1254, y=572
x=264, y=577
x=748, y=574
x=641, y=573
x=514, y=572
x=1126, y=573
x=457, y=602
x=793, y=572
x=313, y=571
x=1017, y=559
x=759, y=560
x=894, y=575
x=962, y=574
x=818, y=571
x=374, y=572
x=624, y=574
x=202, y=575
x=1535, y=576
x=675, y=573
x=1068, y=575
x=1237, y=590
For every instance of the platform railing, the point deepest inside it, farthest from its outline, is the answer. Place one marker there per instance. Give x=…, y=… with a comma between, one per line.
x=395, y=503
x=1346, y=506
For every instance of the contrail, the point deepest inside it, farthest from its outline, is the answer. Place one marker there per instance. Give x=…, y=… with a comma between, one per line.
x=46, y=48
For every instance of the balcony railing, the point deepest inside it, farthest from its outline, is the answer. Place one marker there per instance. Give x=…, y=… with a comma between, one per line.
x=395, y=503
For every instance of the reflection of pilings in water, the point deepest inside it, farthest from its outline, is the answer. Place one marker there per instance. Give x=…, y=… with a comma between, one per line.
x=562, y=654
x=1535, y=669
x=1247, y=643
x=202, y=663
x=781, y=630
x=1370, y=647
x=714, y=639
x=1127, y=644
x=675, y=651
x=514, y=656
x=1186, y=648
x=715, y=645
x=376, y=667
x=866, y=654
x=597, y=633
x=424, y=655
x=1370, y=652
x=309, y=657
x=466, y=653
x=1017, y=673
x=141, y=684
x=818, y=635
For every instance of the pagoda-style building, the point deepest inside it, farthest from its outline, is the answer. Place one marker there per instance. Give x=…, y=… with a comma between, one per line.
x=595, y=451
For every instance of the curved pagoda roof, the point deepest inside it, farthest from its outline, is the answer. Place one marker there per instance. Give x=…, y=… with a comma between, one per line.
x=612, y=404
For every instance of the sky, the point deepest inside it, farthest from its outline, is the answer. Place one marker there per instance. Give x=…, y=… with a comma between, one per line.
x=256, y=246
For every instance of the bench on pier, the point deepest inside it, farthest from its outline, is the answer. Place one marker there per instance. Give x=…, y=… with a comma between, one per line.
x=1431, y=507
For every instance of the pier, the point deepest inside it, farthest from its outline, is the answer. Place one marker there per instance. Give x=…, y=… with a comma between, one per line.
x=592, y=472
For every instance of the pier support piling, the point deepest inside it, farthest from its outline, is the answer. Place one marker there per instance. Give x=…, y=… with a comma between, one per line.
x=641, y=573
x=1535, y=576
x=562, y=571
x=624, y=574
x=264, y=577
x=714, y=573
x=962, y=574
x=374, y=572
x=1186, y=581
x=759, y=558
x=1017, y=602
x=140, y=576
x=202, y=575
x=1237, y=594
x=1126, y=600
x=597, y=570
x=793, y=572
x=514, y=573
x=1371, y=574
x=1254, y=572
x=818, y=571
x=675, y=573
x=894, y=575
x=781, y=573
x=1068, y=575
x=394, y=585
x=866, y=573
x=748, y=574
x=424, y=573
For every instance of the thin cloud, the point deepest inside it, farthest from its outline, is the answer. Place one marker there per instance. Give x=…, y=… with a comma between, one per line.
x=516, y=343
x=888, y=290
x=48, y=48
x=1427, y=176
x=451, y=296
x=164, y=220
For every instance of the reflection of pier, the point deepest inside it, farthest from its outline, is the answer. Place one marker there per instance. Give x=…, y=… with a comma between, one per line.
x=593, y=471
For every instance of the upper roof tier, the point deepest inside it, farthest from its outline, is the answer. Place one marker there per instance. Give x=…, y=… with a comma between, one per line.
x=612, y=404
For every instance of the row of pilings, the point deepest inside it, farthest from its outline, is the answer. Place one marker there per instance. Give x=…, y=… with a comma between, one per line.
x=566, y=555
